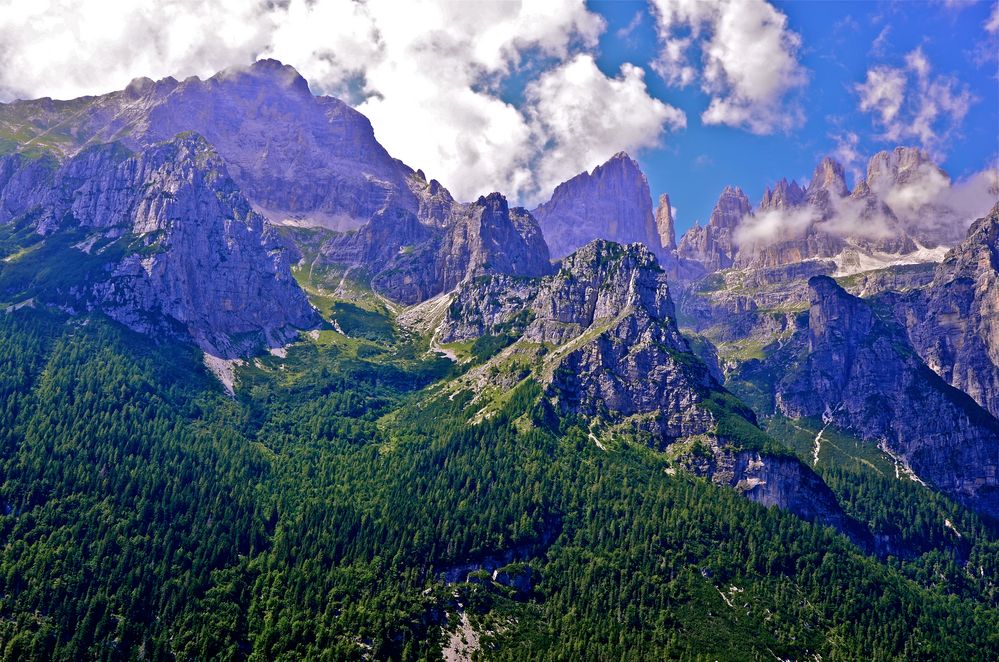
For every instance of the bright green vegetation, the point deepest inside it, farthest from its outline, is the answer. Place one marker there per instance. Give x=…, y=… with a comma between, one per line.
x=147, y=516
x=941, y=542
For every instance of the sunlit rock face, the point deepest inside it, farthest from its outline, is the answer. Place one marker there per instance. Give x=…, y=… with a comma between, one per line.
x=181, y=248
x=713, y=245
x=858, y=370
x=612, y=202
x=297, y=157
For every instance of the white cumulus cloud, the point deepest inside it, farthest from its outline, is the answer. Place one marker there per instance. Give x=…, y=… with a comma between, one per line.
x=432, y=75
x=909, y=102
x=581, y=116
x=992, y=25
x=748, y=65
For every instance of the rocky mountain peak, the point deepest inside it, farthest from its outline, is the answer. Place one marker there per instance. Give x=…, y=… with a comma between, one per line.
x=619, y=358
x=784, y=195
x=977, y=254
x=730, y=209
x=830, y=177
x=665, y=224
x=612, y=202
x=268, y=127
x=139, y=86
x=412, y=261
x=622, y=276
x=495, y=202
x=899, y=166
x=713, y=245
x=264, y=73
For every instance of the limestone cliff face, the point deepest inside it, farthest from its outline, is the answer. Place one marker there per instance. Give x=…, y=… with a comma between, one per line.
x=613, y=202
x=826, y=220
x=665, y=226
x=801, y=240
x=828, y=183
x=412, y=261
x=489, y=237
x=954, y=322
x=859, y=371
x=184, y=248
x=713, y=245
x=899, y=175
x=295, y=156
x=612, y=353
x=784, y=195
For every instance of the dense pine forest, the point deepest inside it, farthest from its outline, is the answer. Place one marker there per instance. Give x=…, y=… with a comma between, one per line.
x=322, y=512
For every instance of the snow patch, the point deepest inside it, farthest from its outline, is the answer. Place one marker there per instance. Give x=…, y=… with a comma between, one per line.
x=855, y=260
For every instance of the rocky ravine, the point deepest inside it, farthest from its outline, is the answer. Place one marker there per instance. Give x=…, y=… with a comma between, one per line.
x=603, y=337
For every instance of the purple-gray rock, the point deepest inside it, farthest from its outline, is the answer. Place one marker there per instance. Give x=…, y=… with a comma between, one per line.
x=294, y=155
x=665, y=225
x=412, y=261
x=954, y=322
x=713, y=245
x=859, y=371
x=192, y=254
x=616, y=356
x=612, y=202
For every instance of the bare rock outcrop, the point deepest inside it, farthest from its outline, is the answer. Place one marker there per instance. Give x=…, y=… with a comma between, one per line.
x=954, y=322
x=612, y=202
x=858, y=370
x=181, y=247
x=612, y=353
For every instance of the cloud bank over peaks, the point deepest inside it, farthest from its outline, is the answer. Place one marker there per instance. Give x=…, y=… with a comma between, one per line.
x=904, y=194
x=429, y=74
x=749, y=60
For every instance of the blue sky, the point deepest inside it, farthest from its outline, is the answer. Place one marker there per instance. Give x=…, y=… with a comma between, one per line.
x=837, y=48
x=517, y=96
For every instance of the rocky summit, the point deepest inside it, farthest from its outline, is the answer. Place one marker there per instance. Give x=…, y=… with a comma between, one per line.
x=603, y=334
x=713, y=245
x=612, y=202
x=266, y=124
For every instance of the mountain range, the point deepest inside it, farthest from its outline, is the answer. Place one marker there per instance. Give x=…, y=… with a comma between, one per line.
x=801, y=354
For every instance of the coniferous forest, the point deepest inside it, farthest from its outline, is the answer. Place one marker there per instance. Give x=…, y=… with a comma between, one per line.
x=317, y=514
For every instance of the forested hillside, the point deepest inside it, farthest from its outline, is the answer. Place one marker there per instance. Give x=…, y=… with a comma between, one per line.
x=319, y=513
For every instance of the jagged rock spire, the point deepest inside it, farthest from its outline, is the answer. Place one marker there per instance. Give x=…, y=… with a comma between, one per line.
x=665, y=224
